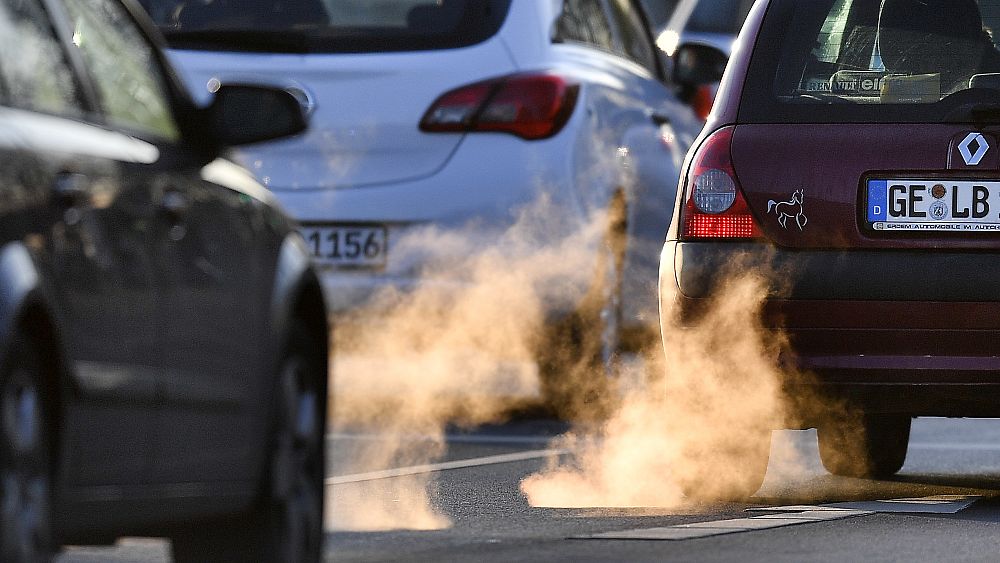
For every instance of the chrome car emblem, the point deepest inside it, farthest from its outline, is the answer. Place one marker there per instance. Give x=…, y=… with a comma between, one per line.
x=792, y=209
x=973, y=158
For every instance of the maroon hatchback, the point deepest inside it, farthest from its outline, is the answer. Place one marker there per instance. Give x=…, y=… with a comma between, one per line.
x=855, y=148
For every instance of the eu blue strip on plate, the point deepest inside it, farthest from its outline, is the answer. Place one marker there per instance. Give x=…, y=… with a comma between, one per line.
x=877, y=200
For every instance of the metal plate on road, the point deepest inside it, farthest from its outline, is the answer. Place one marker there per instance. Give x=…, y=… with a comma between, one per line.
x=770, y=517
x=362, y=246
x=934, y=504
x=721, y=527
x=939, y=504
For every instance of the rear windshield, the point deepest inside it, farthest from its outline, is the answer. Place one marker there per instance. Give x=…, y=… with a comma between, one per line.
x=326, y=25
x=875, y=61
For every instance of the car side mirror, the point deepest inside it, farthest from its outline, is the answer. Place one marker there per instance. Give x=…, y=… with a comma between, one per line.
x=697, y=65
x=242, y=114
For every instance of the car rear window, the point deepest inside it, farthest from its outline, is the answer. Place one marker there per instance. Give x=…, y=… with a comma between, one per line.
x=875, y=61
x=326, y=25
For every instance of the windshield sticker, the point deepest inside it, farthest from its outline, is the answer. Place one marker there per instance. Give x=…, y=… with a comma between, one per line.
x=816, y=84
x=792, y=209
x=857, y=83
x=911, y=89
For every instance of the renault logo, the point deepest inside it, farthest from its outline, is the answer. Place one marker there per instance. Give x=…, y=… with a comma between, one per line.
x=973, y=141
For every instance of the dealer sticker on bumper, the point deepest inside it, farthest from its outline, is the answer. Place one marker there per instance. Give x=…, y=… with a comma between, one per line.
x=934, y=205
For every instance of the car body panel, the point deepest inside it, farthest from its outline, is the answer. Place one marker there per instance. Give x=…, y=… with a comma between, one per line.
x=727, y=98
x=901, y=331
x=831, y=163
x=96, y=251
x=375, y=142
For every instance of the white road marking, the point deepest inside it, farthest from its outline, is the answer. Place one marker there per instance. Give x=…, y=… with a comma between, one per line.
x=770, y=517
x=444, y=466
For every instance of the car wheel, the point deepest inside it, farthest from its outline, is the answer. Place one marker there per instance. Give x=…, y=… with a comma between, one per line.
x=288, y=525
x=25, y=458
x=579, y=357
x=866, y=446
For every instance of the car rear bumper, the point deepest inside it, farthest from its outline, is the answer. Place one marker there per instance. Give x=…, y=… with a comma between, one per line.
x=914, y=331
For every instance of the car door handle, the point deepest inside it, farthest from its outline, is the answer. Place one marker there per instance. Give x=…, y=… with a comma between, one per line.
x=71, y=189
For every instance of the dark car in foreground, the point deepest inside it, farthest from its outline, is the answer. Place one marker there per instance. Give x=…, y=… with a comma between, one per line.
x=163, y=339
x=853, y=159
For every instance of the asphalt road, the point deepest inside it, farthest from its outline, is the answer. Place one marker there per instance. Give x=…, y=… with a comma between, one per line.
x=476, y=486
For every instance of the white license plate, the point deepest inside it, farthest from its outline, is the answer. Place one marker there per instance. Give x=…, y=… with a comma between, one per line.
x=934, y=205
x=347, y=246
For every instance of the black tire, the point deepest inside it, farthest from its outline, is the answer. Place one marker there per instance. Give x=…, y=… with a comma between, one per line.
x=25, y=457
x=287, y=526
x=865, y=445
x=579, y=356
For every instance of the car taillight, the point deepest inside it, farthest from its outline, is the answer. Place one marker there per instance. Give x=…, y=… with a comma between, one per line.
x=531, y=106
x=714, y=206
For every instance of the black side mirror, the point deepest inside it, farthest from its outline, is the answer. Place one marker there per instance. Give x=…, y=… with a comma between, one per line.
x=242, y=114
x=697, y=65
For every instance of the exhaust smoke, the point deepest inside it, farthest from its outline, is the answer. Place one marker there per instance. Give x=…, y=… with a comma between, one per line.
x=698, y=430
x=459, y=349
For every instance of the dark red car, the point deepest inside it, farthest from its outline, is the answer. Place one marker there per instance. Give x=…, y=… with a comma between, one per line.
x=855, y=149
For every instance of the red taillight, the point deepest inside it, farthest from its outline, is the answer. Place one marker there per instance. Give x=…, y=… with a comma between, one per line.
x=714, y=206
x=531, y=106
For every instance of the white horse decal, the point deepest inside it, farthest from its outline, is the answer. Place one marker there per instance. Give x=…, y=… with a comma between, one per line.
x=786, y=210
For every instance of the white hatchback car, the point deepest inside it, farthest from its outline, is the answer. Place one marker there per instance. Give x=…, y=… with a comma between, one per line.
x=447, y=113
